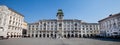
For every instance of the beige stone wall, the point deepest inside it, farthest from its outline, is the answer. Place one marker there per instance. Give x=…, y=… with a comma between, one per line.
x=13, y=25
x=24, y=25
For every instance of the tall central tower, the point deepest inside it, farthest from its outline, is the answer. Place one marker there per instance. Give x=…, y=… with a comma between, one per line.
x=60, y=23
x=60, y=14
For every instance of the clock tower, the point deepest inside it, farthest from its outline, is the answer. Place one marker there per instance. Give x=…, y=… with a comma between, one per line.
x=60, y=14
x=60, y=23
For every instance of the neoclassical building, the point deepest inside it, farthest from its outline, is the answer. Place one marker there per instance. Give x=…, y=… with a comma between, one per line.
x=25, y=28
x=11, y=21
x=62, y=28
x=110, y=26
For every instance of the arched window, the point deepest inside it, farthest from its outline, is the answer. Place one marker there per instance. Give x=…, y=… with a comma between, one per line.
x=44, y=24
x=114, y=24
x=75, y=24
x=60, y=25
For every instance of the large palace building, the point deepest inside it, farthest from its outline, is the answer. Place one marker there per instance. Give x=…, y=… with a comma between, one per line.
x=62, y=28
x=110, y=26
x=10, y=22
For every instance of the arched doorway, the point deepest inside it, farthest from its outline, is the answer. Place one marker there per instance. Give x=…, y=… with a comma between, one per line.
x=84, y=35
x=40, y=35
x=76, y=35
x=79, y=35
x=44, y=35
x=17, y=34
x=8, y=34
x=72, y=35
x=24, y=33
x=65, y=36
x=51, y=35
x=36, y=35
x=91, y=35
x=55, y=35
x=68, y=35
x=48, y=35
x=32, y=35
x=87, y=35
x=28, y=35
x=11, y=34
x=14, y=34
x=94, y=35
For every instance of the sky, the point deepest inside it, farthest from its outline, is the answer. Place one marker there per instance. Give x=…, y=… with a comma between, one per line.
x=90, y=11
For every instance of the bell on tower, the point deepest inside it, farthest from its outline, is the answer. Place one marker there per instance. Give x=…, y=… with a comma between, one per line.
x=60, y=14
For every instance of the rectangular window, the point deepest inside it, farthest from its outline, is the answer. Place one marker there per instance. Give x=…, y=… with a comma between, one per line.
x=90, y=28
x=86, y=28
x=36, y=28
x=75, y=28
x=0, y=21
x=79, y=29
x=87, y=31
x=83, y=28
x=44, y=28
x=32, y=31
x=40, y=31
x=64, y=28
x=29, y=29
x=90, y=31
x=83, y=31
x=10, y=17
x=8, y=27
x=51, y=28
x=115, y=33
x=68, y=28
x=86, y=25
x=33, y=26
x=51, y=22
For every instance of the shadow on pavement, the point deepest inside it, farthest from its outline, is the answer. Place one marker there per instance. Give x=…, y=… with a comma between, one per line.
x=107, y=39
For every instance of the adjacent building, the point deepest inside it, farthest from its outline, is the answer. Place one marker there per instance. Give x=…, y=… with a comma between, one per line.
x=62, y=28
x=110, y=26
x=11, y=21
x=25, y=28
x=3, y=21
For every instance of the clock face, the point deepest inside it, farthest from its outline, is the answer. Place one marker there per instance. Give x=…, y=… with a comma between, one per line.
x=60, y=16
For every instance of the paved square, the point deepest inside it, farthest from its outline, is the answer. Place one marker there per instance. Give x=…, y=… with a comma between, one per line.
x=47, y=41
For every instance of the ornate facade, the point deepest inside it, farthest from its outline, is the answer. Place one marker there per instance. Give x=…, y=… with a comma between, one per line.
x=11, y=21
x=110, y=26
x=62, y=28
x=25, y=28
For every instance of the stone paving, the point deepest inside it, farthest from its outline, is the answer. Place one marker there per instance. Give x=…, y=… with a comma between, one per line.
x=47, y=41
